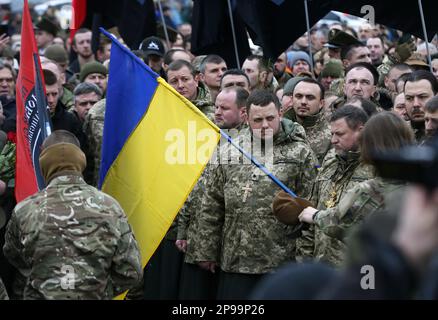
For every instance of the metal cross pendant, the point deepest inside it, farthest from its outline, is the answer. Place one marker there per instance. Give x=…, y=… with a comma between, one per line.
x=247, y=190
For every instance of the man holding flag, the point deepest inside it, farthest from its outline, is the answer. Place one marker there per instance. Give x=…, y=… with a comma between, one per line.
x=237, y=230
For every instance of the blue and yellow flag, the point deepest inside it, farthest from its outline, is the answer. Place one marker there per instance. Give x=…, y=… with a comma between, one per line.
x=155, y=146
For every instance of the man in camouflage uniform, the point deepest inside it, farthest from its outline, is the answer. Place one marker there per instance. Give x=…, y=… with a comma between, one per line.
x=420, y=87
x=93, y=129
x=308, y=102
x=236, y=228
x=70, y=241
x=196, y=283
x=337, y=175
x=181, y=76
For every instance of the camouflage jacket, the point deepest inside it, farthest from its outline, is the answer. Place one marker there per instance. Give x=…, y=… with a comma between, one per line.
x=203, y=101
x=358, y=203
x=236, y=227
x=93, y=128
x=317, y=131
x=71, y=241
x=3, y=292
x=68, y=99
x=336, y=177
x=7, y=163
x=187, y=219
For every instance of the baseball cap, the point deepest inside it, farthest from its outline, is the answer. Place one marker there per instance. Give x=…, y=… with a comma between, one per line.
x=152, y=45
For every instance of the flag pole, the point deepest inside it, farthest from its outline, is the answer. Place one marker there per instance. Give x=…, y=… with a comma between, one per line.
x=308, y=35
x=234, y=34
x=164, y=24
x=420, y=6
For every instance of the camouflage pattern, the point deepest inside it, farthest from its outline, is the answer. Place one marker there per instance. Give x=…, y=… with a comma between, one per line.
x=337, y=87
x=336, y=177
x=188, y=215
x=203, y=101
x=283, y=79
x=317, y=131
x=93, y=128
x=7, y=163
x=384, y=68
x=361, y=201
x=71, y=241
x=3, y=292
x=68, y=100
x=236, y=227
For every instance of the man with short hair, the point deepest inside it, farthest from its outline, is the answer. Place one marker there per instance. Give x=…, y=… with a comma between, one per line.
x=211, y=70
x=355, y=53
x=280, y=69
x=431, y=117
x=7, y=97
x=86, y=96
x=181, y=76
x=70, y=228
x=420, y=87
x=235, y=78
x=395, y=72
x=256, y=68
x=377, y=50
x=197, y=283
x=337, y=175
x=365, y=32
x=360, y=81
x=308, y=103
x=236, y=228
x=81, y=44
x=173, y=55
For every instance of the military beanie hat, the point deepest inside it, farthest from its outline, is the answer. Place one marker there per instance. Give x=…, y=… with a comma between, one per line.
x=333, y=68
x=92, y=67
x=290, y=85
x=57, y=53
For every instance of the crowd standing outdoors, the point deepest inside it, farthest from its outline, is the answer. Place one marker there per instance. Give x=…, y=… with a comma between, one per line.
x=237, y=236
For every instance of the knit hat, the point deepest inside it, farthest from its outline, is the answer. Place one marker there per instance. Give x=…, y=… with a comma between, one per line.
x=294, y=56
x=57, y=53
x=92, y=67
x=333, y=68
x=290, y=85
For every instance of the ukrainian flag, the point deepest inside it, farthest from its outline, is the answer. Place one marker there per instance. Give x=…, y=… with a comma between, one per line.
x=155, y=146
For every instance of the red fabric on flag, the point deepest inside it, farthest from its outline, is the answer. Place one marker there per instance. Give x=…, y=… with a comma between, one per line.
x=25, y=178
x=79, y=13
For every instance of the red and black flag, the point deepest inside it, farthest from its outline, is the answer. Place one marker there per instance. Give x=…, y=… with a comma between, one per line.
x=33, y=120
x=135, y=19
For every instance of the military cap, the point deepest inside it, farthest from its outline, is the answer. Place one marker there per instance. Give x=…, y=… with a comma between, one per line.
x=290, y=85
x=333, y=68
x=57, y=53
x=92, y=67
x=338, y=39
x=152, y=45
x=417, y=59
x=48, y=26
x=287, y=209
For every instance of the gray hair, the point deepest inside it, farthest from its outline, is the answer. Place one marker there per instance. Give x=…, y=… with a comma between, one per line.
x=87, y=87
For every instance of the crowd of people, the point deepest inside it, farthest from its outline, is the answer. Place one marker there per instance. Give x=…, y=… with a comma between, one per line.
x=320, y=117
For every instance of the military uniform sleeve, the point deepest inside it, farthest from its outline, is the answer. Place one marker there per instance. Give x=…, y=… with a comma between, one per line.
x=305, y=243
x=126, y=270
x=352, y=208
x=13, y=248
x=207, y=243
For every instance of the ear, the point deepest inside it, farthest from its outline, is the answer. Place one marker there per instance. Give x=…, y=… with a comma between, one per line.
x=386, y=81
x=321, y=104
x=201, y=77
